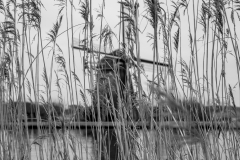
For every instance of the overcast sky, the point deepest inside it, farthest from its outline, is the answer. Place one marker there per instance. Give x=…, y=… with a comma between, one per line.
x=111, y=14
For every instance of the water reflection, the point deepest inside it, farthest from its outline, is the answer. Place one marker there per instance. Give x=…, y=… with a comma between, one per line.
x=76, y=144
x=104, y=144
x=107, y=144
x=116, y=144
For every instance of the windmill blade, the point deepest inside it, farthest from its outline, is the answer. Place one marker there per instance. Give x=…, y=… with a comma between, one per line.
x=151, y=62
x=148, y=64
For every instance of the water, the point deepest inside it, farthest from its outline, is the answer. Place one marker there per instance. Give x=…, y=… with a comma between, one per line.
x=79, y=145
x=84, y=145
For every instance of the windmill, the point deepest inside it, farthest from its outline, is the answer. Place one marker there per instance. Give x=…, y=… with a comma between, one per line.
x=105, y=64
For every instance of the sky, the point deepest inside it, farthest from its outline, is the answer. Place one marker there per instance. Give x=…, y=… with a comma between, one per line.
x=111, y=17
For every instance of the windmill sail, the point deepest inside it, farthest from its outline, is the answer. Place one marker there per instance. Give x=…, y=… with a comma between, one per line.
x=104, y=51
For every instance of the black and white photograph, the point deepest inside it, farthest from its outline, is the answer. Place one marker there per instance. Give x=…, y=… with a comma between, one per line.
x=119, y=80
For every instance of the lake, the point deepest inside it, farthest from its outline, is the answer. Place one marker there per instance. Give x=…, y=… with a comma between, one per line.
x=141, y=144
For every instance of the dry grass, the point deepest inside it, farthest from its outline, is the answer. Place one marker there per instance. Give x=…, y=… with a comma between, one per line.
x=181, y=91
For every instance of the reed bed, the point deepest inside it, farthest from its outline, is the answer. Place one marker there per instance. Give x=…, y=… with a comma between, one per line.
x=42, y=83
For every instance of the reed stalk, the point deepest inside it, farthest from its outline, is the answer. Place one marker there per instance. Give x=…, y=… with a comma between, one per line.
x=197, y=39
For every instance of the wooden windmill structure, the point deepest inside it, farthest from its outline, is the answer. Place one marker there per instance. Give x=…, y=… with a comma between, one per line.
x=108, y=59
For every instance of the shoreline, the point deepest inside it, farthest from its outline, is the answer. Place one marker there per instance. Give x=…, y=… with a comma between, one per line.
x=136, y=125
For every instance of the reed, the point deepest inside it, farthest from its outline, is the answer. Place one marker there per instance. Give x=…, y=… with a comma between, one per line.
x=46, y=82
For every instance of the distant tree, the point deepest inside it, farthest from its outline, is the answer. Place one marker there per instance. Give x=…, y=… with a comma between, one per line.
x=32, y=110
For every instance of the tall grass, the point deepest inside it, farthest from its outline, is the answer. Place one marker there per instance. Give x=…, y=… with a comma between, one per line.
x=195, y=39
